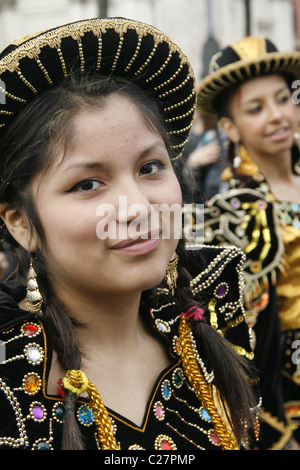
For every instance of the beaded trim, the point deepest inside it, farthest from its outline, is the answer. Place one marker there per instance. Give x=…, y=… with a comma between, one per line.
x=33, y=46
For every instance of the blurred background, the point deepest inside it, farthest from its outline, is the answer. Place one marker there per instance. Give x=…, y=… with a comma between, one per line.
x=200, y=27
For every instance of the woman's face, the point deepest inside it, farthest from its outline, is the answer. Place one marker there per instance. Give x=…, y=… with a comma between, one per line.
x=100, y=204
x=263, y=116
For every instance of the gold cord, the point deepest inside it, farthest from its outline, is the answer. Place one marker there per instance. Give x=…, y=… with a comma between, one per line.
x=201, y=387
x=77, y=382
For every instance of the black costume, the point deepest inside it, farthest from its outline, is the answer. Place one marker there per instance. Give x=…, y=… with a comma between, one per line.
x=174, y=418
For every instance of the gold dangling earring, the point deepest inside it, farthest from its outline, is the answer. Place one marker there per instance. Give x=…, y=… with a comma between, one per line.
x=172, y=274
x=34, y=298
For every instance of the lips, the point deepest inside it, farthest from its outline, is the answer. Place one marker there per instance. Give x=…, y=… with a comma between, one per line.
x=140, y=245
x=279, y=134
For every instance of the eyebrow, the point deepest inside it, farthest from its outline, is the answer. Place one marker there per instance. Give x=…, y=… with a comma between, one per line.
x=92, y=165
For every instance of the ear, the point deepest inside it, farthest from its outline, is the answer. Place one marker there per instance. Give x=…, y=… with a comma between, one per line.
x=229, y=127
x=18, y=226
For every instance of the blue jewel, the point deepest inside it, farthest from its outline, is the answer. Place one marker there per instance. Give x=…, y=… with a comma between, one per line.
x=85, y=415
x=205, y=415
x=166, y=390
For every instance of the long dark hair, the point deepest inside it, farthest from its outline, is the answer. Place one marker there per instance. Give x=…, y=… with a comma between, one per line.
x=26, y=151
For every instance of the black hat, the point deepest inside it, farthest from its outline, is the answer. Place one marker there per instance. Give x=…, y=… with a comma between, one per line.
x=109, y=46
x=247, y=58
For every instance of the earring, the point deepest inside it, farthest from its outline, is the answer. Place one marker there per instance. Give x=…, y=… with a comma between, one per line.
x=237, y=159
x=34, y=298
x=172, y=274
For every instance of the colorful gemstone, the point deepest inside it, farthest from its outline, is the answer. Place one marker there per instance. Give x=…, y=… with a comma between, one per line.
x=37, y=412
x=42, y=445
x=221, y=290
x=85, y=415
x=204, y=415
x=162, y=326
x=159, y=411
x=59, y=412
x=30, y=329
x=214, y=438
x=34, y=354
x=166, y=389
x=31, y=383
x=163, y=442
x=177, y=378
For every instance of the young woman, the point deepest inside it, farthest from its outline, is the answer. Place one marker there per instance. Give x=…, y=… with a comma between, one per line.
x=115, y=337
x=250, y=88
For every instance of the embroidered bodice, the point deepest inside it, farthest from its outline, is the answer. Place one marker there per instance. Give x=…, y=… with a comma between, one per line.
x=174, y=418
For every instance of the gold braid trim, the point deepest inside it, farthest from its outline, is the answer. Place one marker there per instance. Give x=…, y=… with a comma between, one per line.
x=102, y=420
x=201, y=387
x=77, y=382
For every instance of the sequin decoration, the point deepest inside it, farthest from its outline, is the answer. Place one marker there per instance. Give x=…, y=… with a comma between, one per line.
x=31, y=383
x=166, y=389
x=163, y=442
x=85, y=415
x=159, y=411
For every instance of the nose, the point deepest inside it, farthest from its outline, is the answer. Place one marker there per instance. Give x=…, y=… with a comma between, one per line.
x=132, y=202
x=275, y=111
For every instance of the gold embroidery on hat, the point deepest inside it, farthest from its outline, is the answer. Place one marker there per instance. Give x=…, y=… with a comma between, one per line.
x=250, y=47
x=147, y=61
x=117, y=53
x=7, y=113
x=139, y=43
x=62, y=61
x=173, y=90
x=99, y=54
x=167, y=82
x=80, y=49
x=180, y=103
x=13, y=97
x=183, y=116
x=47, y=76
x=180, y=131
x=161, y=68
x=27, y=83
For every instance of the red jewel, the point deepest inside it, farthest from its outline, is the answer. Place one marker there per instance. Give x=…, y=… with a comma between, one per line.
x=30, y=329
x=165, y=445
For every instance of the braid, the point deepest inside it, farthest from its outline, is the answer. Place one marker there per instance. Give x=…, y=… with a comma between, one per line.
x=186, y=348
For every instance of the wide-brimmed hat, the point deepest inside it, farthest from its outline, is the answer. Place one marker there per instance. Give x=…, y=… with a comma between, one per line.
x=247, y=58
x=108, y=46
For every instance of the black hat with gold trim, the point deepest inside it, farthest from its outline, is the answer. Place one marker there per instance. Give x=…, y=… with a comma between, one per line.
x=108, y=46
x=247, y=58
